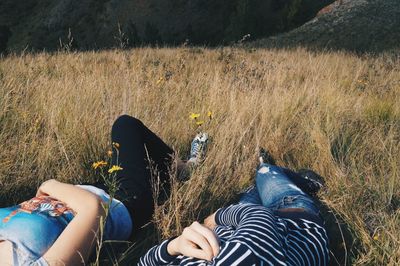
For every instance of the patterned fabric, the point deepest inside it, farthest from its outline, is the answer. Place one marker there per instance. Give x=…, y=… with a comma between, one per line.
x=42, y=204
x=252, y=235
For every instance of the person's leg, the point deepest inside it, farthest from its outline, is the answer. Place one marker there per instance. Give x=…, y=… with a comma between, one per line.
x=250, y=195
x=278, y=192
x=138, y=145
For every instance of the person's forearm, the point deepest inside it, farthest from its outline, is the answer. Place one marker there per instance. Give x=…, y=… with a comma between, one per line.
x=236, y=214
x=77, y=240
x=75, y=197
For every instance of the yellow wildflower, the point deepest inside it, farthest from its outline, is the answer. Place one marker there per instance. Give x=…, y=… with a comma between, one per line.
x=376, y=237
x=99, y=164
x=362, y=81
x=194, y=116
x=199, y=123
x=209, y=114
x=159, y=80
x=114, y=168
x=116, y=144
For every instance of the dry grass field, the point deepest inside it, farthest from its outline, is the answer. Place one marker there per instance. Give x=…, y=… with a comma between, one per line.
x=336, y=113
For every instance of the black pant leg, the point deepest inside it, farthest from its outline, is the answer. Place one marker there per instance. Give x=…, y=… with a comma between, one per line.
x=136, y=144
x=160, y=154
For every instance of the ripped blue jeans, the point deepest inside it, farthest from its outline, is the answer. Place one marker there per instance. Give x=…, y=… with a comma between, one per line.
x=275, y=190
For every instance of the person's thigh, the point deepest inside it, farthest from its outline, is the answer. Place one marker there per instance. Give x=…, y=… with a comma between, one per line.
x=137, y=148
x=130, y=155
x=250, y=195
x=277, y=191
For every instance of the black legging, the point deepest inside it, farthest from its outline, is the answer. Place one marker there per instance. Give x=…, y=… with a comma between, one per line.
x=137, y=144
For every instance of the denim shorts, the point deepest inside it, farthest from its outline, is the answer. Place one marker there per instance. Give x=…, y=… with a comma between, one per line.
x=275, y=190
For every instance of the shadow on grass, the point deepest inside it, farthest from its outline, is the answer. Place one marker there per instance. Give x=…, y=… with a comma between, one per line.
x=17, y=195
x=127, y=252
x=341, y=241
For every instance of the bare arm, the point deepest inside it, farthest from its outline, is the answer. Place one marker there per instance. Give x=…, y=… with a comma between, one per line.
x=78, y=239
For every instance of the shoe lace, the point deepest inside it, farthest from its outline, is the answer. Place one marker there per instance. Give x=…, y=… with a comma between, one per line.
x=196, y=149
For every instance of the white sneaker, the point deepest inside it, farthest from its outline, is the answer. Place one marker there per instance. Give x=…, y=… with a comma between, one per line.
x=198, y=147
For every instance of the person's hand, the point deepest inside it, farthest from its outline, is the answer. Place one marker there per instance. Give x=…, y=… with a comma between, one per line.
x=195, y=241
x=42, y=190
x=210, y=221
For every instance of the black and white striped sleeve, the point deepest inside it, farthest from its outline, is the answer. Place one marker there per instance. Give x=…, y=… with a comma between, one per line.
x=255, y=228
x=234, y=254
x=157, y=255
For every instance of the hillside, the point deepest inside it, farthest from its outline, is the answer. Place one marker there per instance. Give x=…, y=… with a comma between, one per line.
x=94, y=24
x=353, y=25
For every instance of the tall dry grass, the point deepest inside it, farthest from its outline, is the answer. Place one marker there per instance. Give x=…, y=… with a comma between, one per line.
x=335, y=113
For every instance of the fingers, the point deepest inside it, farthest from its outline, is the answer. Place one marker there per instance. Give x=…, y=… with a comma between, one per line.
x=209, y=236
x=197, y=241
x=197, y=253
x=196, y=244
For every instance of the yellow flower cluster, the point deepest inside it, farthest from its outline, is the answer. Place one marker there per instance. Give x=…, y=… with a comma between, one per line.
x=101, y=164
x=195, y=116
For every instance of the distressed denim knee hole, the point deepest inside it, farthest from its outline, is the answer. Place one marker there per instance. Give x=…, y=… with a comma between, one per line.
x=263, y=170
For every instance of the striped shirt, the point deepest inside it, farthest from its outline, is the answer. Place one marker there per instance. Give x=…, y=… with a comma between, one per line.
x=252, y=235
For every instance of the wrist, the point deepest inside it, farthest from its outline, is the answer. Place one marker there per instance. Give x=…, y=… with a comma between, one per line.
x=172, y=247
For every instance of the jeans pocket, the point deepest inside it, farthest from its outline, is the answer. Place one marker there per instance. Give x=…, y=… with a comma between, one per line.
x=299, y=201
x=288, y=201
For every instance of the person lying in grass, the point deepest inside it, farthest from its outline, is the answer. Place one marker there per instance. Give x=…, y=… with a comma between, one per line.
x=276, y=222
x=62, y=224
